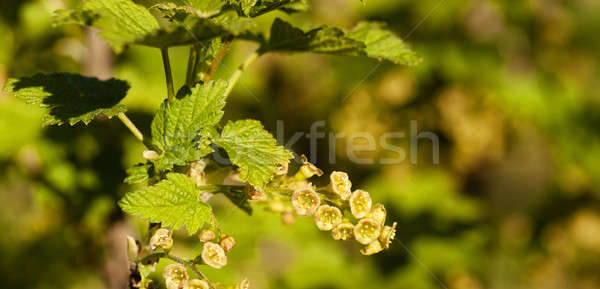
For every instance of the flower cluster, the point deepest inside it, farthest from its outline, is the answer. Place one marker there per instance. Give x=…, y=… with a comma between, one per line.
x=347, y=214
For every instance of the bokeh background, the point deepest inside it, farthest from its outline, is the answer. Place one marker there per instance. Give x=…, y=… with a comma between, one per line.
x=511, y=88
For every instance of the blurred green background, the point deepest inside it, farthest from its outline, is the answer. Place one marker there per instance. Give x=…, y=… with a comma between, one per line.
x=511, y=88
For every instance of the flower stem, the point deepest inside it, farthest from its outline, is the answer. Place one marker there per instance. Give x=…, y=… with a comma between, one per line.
x=191, y=67
x=238, y=73
x=192, y=266
x=168, y=74
x=218, y=58
x=129, y=124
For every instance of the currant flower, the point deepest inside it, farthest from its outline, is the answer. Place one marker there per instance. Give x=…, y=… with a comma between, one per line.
x=305, y=201
x=196, y=284
x=175, y=276
x=307, y=170
x=378, y=214
x=387, y=235
x=282, y=169
x=132, y=249
x=328, y=217
x=288, y=218
x=340, y=184
x=372, y=248
x=366, y=231
x=206, y=235
x=227, y=243
x=213, y=255
x=150, y=155
x=343, y=231
x=197, y=172
x=162, y=239
x=360, y=203
x=244, y=284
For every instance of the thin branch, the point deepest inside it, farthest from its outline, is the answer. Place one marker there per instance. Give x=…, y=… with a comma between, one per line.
x=238, y=73
x=218, y=58
x=168, y=73
x=192, y=266
x=129, y=124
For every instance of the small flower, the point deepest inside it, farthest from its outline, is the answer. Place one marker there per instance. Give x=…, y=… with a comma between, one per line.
x=206, y=235
x=373, y=248
x=227, y=242
x=175, y=276
x=162, y=239
x=360, y=204
x=328, y=217
x=288, y=218
x=197, y=172
x=132, y=249
x=340, y=184
x=343, y=231
x=378, y=213
x=305, y=201
x=244, y=284
x=213, y=255
x=276, y=206
x=204, y=196
x=307, y=170
x=196, y=284
x=150, y=155
x=366, y=231
x=387, y=235
x=282, y=169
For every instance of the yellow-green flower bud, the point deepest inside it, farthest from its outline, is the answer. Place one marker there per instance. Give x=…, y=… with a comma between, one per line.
x=360, y=203
x=227, y=243
x=387, y=235
x=366, y=231
x=206, y=235
x=340, y=184
x=372, y=248
x=328, y=217
x=132, y=249
x=288, y=218
x=162, y=239
x=282, y=169
x=343, y=231
x=175, y=276
x=213, y=255
x=244, y=284
x=150, y=155
x=307, y=170
x=378, y=213
x=197, y=172
x=196, y=284
x=305, y=202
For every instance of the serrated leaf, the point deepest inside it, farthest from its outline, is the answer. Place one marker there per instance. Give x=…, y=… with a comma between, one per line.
x=366, y=39
x=139, y=173
x=70, y=98
x=202, y=8
x=285, y=37
x=253, y=150
x=254, y=8
x=177, y=124
x=120, y=22
x=383, y=44
x=174, y=202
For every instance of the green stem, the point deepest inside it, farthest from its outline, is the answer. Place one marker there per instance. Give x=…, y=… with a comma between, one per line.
x=129, y=124
x=191, y=67
x=238, y=73
x=168, y=74
x=218, y=58
x=192, y=266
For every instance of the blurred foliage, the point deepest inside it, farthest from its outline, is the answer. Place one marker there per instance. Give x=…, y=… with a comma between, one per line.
x=509, y=87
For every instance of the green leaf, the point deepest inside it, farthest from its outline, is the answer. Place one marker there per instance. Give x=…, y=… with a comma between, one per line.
x=174, y=202
x=254, y=8
x=70, y=98
x=253, y=150
x=285, y=37
x=239, y=197
x=178, y=123
x=120, y=22
x=139, y=173
x=366, y=39
x=383, y=44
